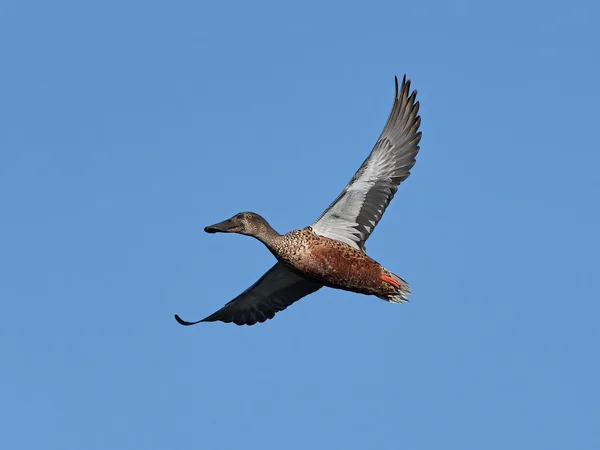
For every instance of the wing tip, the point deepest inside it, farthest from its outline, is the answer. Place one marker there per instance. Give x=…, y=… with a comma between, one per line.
x=219, y=317
x=404, y=87
x=185, y=323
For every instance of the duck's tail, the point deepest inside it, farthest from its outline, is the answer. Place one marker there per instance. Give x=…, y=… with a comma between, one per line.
x=402, y=293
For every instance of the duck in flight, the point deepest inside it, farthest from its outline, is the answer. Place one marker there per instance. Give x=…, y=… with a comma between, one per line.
x=331, y=252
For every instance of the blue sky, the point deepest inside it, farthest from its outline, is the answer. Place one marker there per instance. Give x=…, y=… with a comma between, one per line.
x=129, y=126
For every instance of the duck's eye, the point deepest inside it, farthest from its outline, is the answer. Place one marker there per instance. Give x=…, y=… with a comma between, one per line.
x=249, y=216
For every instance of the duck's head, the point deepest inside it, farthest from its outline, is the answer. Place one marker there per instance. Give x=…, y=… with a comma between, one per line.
x=244, y=223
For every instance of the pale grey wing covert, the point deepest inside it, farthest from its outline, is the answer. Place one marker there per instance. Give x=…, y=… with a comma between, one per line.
x=352, y=216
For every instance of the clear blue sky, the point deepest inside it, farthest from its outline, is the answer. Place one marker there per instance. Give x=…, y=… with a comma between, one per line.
x=126, y=127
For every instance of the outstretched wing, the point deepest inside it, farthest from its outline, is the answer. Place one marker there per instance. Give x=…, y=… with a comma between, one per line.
x=273, y=292
x=352, y=217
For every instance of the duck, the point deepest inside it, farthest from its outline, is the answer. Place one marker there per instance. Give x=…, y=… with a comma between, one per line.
x=331, y=252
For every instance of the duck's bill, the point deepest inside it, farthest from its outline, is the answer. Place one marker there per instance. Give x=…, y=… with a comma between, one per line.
x=227, y=226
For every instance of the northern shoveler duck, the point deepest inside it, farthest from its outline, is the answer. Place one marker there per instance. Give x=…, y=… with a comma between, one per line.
x=331, y=252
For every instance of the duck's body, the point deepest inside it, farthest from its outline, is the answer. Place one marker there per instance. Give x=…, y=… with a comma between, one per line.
x=332, y=252
x=336, y=265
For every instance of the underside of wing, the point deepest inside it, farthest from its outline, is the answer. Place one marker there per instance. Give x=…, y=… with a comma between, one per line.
x=273, y=292
x=352, y=216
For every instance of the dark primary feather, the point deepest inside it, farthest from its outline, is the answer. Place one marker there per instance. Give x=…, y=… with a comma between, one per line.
x=354, y=214
x=273, y=292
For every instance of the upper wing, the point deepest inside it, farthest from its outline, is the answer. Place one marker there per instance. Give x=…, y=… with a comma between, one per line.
x=273, y=292
x=354, y=214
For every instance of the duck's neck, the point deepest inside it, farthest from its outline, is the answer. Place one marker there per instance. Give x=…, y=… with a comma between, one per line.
x=269, y=237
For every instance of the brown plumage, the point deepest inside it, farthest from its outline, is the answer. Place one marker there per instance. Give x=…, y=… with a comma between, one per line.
x=332, y=263
x=332, y=252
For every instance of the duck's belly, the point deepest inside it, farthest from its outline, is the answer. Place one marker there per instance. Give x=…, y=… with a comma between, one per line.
x=338, y=265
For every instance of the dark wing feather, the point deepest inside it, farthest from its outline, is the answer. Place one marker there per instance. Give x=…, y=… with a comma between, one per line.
x=273, y=292
x=352, y=217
